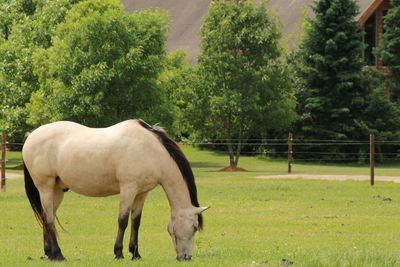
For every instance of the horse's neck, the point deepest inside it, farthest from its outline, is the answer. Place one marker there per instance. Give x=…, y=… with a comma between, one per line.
x=177, y=193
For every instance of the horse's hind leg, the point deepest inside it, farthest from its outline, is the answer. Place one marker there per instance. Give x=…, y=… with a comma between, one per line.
x=136, y=215
x=125, y=206
x=51, y=199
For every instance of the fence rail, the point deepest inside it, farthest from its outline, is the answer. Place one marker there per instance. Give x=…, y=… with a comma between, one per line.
x=269, y=147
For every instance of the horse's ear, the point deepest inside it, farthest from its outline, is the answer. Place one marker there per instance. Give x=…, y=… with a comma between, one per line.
x=200, y=209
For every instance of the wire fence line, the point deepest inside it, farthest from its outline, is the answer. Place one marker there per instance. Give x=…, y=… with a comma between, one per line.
x=266, y=147
x=289, y=149
x=278, y=149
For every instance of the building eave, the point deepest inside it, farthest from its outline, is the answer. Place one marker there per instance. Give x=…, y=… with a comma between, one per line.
x=365, y=14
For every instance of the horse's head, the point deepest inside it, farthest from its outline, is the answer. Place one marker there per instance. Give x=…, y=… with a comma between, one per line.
x=182, y=227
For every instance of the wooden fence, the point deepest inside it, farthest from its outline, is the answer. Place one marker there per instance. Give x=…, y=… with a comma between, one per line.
x=371, y=156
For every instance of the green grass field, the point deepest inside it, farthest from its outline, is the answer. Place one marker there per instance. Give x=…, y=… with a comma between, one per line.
x=251, y=222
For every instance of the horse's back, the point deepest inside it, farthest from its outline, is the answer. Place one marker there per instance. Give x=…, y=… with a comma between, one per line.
x=94, y=161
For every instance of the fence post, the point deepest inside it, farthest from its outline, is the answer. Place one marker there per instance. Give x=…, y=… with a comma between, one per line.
x=3, y=161
x=290, y=152
x=372, y=157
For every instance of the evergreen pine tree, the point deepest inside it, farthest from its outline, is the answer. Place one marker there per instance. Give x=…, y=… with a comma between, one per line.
x=390, y=48
x=333, y=96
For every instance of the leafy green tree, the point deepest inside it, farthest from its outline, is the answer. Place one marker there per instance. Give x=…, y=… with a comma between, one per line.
x=390, y=48
x=332, y=97
x=102, y=67
x=241, y=87
x=177, y=81
x=11, y=11
x=25, y=27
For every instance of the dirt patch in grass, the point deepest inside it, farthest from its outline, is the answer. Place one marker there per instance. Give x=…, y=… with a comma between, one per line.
x=232, y=169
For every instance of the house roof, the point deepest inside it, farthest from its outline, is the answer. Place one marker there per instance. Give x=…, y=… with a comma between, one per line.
x=367, y=7
x=187, y=17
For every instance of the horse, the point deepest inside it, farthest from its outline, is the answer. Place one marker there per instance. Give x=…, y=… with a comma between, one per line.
x=129, y=158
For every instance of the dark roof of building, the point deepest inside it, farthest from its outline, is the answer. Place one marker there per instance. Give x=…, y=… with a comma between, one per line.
x=187, y=17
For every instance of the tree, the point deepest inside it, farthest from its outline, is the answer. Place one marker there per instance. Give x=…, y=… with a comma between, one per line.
x=381, y=115
x=177, y=81
x=241, y=86
x=25, y=26
x=390, y=47
x=332, y=98
x=102, y=67
x=12, y=11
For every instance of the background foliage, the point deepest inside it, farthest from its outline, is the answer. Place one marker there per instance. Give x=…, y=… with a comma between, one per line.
x=104, y=72
x=338, y=99
x=89, y=62
x=243, y=87
x=26, y=26
x=334, y=91
x=390, y=48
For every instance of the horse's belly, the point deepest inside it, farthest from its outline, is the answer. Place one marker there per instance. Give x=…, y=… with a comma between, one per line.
x=88, y=173
x=94, y=186
x=96, y=192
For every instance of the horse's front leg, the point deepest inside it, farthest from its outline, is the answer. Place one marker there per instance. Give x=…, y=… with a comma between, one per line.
x=125, y=206
x=136, y=215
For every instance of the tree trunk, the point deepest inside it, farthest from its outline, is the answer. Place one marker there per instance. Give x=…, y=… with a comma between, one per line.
x=237, y=154
x=234, y=149
x=229, y=142
x=232, y=160
x=239, y=145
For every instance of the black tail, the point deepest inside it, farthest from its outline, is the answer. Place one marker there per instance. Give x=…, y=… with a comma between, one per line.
x=180, y=159
x=33, y=196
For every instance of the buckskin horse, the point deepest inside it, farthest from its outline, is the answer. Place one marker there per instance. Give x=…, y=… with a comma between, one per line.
x=130, y=158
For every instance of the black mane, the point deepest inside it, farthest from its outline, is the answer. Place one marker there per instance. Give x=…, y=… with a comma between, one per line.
x=180, y=159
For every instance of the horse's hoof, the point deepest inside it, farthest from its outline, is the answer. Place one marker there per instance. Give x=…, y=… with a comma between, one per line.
x=136, y=257
x=58, y=257
x=119, y=257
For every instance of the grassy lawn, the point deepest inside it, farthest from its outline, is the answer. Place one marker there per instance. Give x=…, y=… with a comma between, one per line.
x=251, y=222
x=13, y=160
